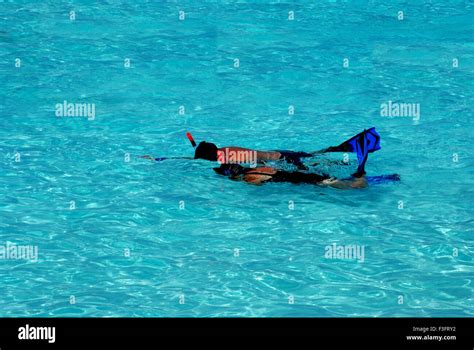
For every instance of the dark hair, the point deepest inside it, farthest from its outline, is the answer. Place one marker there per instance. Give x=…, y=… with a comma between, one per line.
x=206, y=150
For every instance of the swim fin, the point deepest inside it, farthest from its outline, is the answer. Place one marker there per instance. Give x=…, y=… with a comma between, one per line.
x=382, y=179
x=366, y=142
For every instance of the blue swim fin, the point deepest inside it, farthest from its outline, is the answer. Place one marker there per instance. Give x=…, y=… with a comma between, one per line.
x=366, y=142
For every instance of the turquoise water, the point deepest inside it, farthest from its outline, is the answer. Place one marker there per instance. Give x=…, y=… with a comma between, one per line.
x=137, y=238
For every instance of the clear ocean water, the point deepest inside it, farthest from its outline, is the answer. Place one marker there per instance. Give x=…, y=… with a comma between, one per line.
x=138, y=238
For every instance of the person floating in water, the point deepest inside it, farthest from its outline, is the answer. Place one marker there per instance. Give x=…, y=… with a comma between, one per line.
x=237, y=155
x=231, y=159
x=260, y=175
x=363, y=143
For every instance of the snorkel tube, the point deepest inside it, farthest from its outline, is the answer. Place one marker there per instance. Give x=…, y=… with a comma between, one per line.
x=190, y=138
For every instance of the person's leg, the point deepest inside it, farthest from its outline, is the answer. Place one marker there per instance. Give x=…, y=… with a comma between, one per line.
x=292, y=157
x=359, y=182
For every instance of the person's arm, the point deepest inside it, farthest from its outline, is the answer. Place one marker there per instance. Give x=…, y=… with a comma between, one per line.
x=256, y=179
x=258, y=175
x=159, y=159
x=357, y=182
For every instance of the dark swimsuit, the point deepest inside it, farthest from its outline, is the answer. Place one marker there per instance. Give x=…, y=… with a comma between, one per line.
x=236, y=170
x=295, y=177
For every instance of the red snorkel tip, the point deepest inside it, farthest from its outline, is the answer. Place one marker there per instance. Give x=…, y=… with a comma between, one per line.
x=190, y=138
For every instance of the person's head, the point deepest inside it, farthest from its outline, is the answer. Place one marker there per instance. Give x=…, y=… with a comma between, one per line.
x=206, y=150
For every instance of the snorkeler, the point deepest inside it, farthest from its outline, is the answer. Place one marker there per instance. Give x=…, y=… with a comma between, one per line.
x=363, y=143
x=233, y=154
x=262, y=175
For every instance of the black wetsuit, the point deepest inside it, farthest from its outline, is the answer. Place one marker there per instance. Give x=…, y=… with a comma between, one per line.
x=236, y=171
